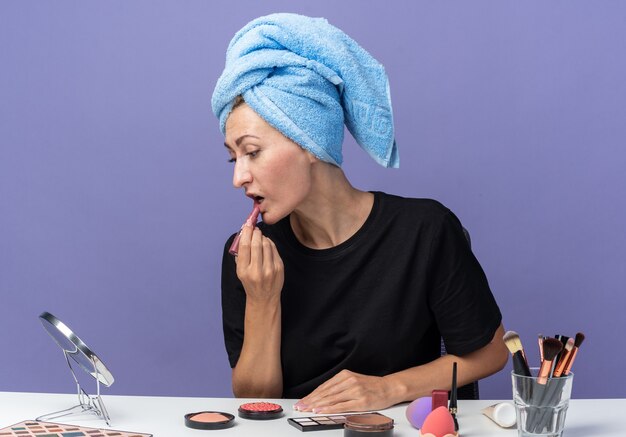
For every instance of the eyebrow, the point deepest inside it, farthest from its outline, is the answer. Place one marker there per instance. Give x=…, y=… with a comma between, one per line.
x=240, y=139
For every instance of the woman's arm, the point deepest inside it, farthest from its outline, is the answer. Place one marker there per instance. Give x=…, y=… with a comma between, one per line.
x=258, y=372
x=349, y=391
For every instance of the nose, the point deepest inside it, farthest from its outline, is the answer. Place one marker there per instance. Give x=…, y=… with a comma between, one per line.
x=241, y=174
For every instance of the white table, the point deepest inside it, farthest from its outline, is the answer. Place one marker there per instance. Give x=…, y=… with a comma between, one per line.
x=163, y=416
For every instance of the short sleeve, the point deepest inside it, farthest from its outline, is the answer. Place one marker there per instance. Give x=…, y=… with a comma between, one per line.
x=233, y=306
x=464, y=308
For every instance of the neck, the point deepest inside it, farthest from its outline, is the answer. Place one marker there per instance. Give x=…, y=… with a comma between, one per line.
x=333, y=212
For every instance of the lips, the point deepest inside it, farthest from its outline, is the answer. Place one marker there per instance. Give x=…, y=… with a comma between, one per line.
x=258, y=199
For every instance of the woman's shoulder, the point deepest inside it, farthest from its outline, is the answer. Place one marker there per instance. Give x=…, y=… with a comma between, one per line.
x=414, y=206
x=423, y=214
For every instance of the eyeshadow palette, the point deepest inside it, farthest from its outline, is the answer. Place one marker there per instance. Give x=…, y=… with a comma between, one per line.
x=321, y=423
x=48, y=429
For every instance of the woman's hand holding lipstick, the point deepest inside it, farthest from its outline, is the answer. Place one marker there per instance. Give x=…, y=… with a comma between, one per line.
x=259, y=266
x=250, y=221
x=260, y=269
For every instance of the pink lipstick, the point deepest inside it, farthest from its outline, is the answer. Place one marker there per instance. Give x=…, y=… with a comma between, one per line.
x=250, y=221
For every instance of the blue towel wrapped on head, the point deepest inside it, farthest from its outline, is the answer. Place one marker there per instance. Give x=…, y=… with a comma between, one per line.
x=307, y=78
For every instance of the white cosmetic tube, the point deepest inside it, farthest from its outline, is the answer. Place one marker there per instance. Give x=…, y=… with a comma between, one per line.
x=502, y=414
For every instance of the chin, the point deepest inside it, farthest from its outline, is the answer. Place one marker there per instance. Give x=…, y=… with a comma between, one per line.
x=272, y=219
x=269, y=219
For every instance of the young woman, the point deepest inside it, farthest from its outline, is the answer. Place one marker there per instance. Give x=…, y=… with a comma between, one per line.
x=340, y=297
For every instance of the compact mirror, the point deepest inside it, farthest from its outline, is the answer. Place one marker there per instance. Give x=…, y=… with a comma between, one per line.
x=76, y=349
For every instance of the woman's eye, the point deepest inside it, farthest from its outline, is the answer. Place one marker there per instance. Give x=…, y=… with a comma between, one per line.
x=252, y=154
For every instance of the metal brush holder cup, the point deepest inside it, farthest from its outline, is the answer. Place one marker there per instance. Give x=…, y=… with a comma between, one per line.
x=76, y=351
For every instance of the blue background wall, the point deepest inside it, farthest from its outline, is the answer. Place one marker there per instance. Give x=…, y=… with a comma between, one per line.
x=116, y=197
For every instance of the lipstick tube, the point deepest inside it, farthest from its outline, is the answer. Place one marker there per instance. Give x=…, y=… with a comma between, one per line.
x=250, y=221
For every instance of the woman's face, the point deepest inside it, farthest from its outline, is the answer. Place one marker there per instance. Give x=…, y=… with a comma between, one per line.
x=270, y=167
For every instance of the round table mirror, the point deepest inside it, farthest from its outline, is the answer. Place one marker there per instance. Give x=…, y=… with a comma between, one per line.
x=76, y=348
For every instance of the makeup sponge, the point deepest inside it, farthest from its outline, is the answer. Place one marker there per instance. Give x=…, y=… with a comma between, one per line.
x=439, y=423
x=417, y=411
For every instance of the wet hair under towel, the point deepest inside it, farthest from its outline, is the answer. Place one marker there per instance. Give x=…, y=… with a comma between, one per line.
x=306, y=78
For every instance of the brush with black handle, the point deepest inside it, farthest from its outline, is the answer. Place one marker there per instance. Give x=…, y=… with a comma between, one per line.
x=523, y=386
x=514, y=344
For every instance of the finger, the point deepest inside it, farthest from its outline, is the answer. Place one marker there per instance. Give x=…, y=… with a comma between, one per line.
x=354, y=398
x=340, y=393
x=334, y=385
x=256, y=248
x=278, y=261
x=340, y=407
x=331, y=385
x=313, y=396
x=268, y=258
x=243, y=253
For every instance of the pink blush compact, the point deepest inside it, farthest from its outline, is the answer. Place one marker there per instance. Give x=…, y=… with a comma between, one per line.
x=209, y=420
x=260, y=411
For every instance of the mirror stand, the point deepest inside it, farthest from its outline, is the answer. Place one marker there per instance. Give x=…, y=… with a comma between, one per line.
x=86, y=403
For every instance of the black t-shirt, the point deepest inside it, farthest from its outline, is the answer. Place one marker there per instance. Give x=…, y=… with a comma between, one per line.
x=378, y=303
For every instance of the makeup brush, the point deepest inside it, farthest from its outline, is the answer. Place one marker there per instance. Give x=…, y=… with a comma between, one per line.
x=563, y=339
x=540, y=339
x=551, y=348
x=514, y=344
x=563, y=358
x=453, y=397
x=580, y=337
